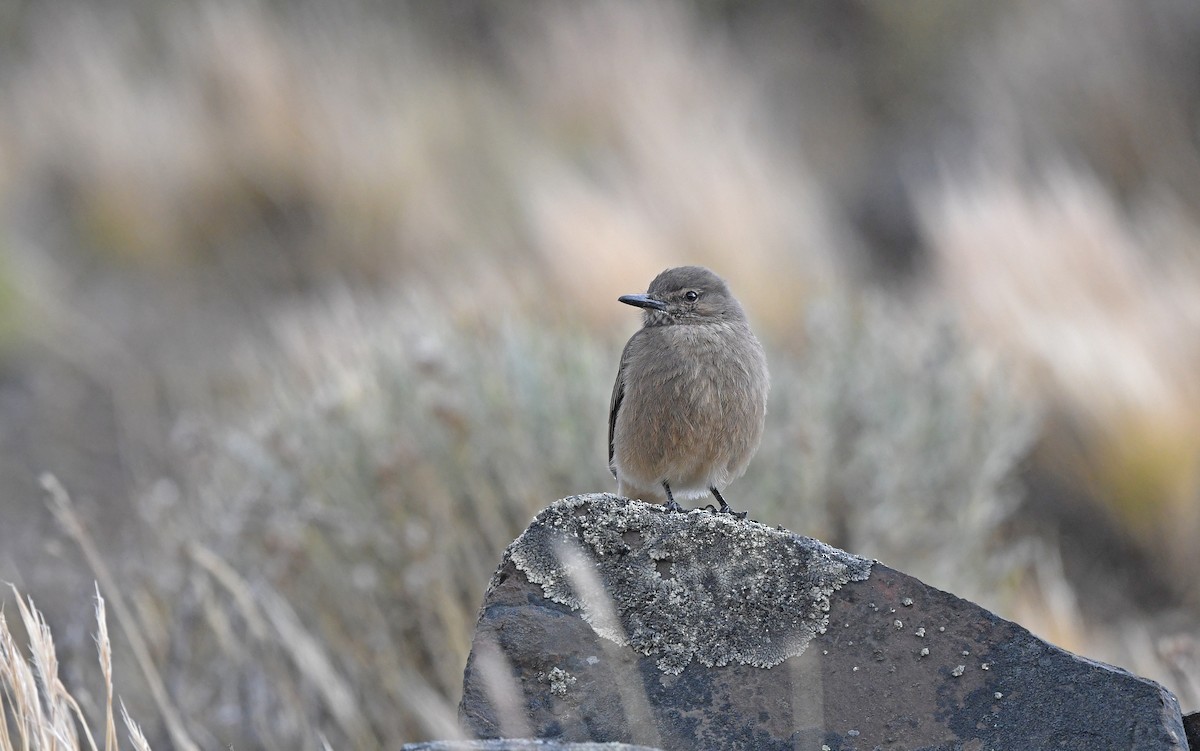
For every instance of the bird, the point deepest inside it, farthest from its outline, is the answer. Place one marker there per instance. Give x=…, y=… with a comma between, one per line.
x=690, y=399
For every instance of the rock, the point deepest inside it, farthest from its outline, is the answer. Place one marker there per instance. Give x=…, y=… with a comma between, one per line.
x=1191, y=726
x=614, y=620
x=520, y=744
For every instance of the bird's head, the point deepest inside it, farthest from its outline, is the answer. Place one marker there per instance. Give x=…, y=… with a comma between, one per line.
x=686, y=294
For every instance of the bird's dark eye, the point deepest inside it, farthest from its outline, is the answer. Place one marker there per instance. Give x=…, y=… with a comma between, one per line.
x=691, y=295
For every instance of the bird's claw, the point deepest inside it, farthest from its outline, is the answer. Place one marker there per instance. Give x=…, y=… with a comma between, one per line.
x=674, y=507
x=726, y=509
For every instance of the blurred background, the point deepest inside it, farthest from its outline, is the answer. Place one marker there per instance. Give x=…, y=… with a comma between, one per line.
x=310, y=307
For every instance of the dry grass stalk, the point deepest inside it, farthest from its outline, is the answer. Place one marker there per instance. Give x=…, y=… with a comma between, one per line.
x=64, y=511
x=105, y=649
x=135, y=733
x=34, y=702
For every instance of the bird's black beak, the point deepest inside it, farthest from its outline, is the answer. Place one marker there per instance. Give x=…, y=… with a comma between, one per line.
x=643, y=301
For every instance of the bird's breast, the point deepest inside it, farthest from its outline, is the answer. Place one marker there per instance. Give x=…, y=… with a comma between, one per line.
x=705, y=365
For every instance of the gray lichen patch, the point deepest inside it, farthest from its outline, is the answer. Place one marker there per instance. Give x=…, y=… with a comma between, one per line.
x=679, y=587
x=560, y=680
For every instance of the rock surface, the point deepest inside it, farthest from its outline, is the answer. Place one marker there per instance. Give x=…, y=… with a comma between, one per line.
x=613, y=620
x=520, y=744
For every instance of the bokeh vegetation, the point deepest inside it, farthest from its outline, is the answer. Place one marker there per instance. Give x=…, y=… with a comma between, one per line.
x=309, y=310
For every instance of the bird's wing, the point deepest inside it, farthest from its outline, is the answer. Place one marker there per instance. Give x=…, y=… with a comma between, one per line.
x=618, y=395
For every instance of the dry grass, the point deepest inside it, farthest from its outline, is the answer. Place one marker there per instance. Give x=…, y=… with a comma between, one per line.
x=37, y=711
x=64, y=511
x=1067, y=240
x=348, y=145
x=1101, y=312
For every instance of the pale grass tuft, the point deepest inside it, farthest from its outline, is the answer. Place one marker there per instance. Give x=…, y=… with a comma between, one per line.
x=1098, y=306
x=24, y=704
x=61, y=707
x=64, y=511
x=692, y=173
x=271, y=619
x=34, y=702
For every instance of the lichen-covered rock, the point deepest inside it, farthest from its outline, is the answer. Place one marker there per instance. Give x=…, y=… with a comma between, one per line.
x=520, y=744
x=678, y=587
x=613, y=620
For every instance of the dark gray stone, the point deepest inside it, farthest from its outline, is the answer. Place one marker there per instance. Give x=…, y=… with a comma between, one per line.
x=520, y=744
x=1191, y=726
x=613, y=620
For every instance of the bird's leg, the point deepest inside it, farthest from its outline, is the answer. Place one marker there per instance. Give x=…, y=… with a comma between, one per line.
x=671, y=504
x=725, y=509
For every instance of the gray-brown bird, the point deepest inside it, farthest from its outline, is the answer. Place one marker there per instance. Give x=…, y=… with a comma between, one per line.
x=690, y=400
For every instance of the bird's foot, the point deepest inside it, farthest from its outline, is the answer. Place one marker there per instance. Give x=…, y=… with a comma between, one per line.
x=674, y=507
x=727, y=510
